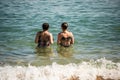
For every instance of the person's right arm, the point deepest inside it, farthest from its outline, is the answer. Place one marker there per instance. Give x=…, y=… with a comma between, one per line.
x=58, y=39
x=37, y=38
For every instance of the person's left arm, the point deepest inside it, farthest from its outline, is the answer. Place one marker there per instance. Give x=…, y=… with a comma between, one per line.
x=72, y=41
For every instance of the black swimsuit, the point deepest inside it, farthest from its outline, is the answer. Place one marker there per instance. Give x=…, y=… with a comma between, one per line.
x=65, y=39
x=43, y=43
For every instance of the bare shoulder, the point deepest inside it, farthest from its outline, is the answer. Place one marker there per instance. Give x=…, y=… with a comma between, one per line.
x=39, y=32
x=70, y=33
x=60, y=33
x=50, y=34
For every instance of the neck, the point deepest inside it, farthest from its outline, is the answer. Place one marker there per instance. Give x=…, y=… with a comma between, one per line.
x=64, y=30
x=45, y=30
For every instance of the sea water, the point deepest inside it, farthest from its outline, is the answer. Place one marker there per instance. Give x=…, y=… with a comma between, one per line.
x=96, y=28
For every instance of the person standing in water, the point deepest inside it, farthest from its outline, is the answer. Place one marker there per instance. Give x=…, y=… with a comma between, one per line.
x=65, y=38
x=44, y=38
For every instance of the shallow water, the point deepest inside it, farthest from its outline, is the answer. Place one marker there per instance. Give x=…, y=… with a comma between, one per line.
x=95, y=25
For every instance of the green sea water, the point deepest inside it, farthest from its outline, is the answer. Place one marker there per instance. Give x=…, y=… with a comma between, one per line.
x=95, y=25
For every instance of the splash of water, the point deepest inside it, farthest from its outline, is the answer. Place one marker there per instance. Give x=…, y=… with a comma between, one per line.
x=83, y=71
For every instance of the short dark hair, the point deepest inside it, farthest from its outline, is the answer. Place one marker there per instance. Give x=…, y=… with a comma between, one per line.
x=64, y=25
x=45, y=26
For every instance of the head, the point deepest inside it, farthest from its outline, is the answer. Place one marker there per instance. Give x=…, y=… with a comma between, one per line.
x=64, y=25
x=45, y=26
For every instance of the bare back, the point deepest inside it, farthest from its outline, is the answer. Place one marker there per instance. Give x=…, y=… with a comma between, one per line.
x=44, y=38
x=65, y=39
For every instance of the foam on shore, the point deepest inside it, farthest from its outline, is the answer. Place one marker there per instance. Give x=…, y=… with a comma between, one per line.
x=82, y=71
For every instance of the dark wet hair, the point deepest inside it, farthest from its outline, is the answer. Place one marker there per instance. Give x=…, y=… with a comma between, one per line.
x=45, y=26
x=64, y=25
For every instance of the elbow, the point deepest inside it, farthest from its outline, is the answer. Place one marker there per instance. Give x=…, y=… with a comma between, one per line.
x=52, y=42
x=72, y=42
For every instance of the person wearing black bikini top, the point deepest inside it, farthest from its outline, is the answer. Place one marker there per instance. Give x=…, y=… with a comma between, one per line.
x=65, y=38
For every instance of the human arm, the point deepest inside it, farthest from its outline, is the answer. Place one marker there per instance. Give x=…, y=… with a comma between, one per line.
x=72, y=40
x=58, y=39
x=51, y=39
x=37, y=37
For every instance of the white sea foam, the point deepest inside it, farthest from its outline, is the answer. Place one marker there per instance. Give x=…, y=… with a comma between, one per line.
x=82, y=71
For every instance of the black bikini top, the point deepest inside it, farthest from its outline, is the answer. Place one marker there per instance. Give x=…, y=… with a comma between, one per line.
x=66, y=38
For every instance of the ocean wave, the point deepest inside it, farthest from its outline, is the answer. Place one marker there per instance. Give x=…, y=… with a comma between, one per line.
x=100, y=69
